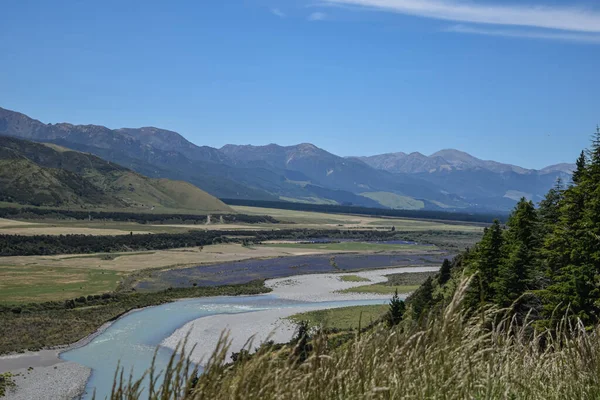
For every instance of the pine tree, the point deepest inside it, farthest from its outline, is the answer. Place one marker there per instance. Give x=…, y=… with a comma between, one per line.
x=573, y=249
x=580, y=168
x=422, y=299
x=445, y=272
x=396, y=310
x=519, y=267
x=487, y=260
x=549, y=209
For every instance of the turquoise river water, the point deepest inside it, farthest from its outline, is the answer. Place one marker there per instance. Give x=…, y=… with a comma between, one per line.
x=132, y=340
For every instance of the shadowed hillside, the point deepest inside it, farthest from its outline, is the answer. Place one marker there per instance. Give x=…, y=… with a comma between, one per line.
x=50, y=175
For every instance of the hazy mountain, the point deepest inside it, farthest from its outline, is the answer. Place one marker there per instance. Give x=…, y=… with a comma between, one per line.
x=448, y=179
x=161, y=153
x=448, y=159
x=136, y=153
x=405, y=163
x=482, y=182
x=328, y=170
x=172, y=141
x=51, y=175
x=564, y=168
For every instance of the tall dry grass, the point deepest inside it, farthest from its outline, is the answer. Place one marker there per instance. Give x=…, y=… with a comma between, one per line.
x=451, y=356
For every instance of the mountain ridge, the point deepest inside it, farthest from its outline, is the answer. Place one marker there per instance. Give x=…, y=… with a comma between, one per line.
x=448, y=179
x=43, y=174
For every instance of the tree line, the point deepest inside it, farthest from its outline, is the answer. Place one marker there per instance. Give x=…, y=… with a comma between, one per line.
x=17, y=245
x=543, y=264
x=122, y=216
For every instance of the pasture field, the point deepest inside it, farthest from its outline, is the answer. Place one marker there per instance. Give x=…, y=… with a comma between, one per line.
x=157, y=259
x=404, y=283
x=26, y=284
x=60, y=277
x=9, y=223
x=353, y=278
x=342, y=318
x=380, y=288
x=345, y=221
x=16, y=227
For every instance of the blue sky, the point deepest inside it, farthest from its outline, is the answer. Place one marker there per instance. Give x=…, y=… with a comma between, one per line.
x=514, y=81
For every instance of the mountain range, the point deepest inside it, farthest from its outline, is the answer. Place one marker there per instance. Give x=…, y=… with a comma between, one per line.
x=449, y=179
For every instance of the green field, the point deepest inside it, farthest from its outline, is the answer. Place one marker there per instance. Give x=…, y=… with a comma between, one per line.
x=395, y=201
x=24, y=284
x=405, y=283
x=342, y=318
x=379, y=288
x=353, y=278
x=353, y=246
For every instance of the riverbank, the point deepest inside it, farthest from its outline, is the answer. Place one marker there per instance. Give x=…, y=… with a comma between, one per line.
x=63, y=380
x=204, y=333
x=43, y=375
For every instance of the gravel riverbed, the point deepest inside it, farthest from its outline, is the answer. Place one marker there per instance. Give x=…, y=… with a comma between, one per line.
x=204, y=333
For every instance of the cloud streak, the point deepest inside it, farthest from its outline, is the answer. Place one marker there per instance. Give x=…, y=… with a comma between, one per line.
x=317, y=16
x=575, y=19
x=510, y=33
x=277, y=12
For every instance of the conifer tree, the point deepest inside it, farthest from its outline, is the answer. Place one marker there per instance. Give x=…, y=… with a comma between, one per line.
x=580, y=168
x=422, y=298
x=396, y=310
x=486, y=260
x=573, y=249
x=445, y=272
x=549, y=209
x=519, y=267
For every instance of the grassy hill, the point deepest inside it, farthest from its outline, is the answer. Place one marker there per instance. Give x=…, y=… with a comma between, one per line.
x=50, y=175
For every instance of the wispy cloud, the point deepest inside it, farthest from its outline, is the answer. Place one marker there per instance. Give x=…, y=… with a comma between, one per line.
x=566, y=18
x=278, y=12
x=317, y=16
x=514, y=33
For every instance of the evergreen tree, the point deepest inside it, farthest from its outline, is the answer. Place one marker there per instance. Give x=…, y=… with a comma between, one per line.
x=445, y=272
x=301, y=342
x=519, y=267
x=549, y=209
x=487, y=260
x=422, y=299
x=573, y=249
x=396, y=310
x=580, y=168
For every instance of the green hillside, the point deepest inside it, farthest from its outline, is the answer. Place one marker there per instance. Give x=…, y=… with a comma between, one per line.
x=395, y=201
x=49, y=175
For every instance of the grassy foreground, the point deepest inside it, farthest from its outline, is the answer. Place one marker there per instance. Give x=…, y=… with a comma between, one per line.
x=450, y=356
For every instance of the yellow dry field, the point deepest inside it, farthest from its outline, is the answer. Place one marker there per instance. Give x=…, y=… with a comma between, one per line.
x=220, y=227
x=5, y=223
x=61, y=230
x=308, y=219
x=134, y=261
